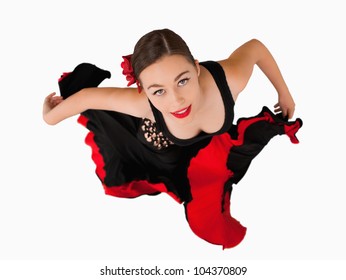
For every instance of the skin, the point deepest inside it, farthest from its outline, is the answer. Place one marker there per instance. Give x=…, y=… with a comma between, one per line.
x=172, y=84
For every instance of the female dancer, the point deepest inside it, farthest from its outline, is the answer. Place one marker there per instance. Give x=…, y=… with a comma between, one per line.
x=174, y=133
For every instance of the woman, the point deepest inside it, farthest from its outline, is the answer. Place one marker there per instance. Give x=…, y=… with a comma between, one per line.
x=177, y=136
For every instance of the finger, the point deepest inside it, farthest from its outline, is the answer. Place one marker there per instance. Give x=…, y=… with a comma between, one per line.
x=50, y=96
x=56, y=97
x=290, y=113
x=284, y=113
x=57, y=102
x=277, y=110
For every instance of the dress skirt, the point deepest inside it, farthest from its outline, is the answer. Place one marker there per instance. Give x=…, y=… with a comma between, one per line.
x=200, y=176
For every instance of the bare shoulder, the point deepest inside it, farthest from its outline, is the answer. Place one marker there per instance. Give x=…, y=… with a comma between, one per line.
x=239, y=65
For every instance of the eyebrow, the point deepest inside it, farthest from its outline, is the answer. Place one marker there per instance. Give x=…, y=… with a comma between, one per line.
x=176, y=79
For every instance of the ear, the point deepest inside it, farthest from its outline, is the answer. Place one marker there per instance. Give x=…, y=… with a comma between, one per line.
x=197, y=67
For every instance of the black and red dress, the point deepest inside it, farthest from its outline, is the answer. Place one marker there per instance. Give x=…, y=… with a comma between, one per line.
x=136, y=156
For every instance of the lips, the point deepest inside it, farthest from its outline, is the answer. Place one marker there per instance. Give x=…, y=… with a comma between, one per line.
x=183, y=113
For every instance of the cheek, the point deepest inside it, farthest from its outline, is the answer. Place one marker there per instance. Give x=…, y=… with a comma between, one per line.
x=159, y=103
x=194, y=85
x=194, y=92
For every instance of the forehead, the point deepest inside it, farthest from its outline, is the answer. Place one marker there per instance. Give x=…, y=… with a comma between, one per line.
x=166, y=68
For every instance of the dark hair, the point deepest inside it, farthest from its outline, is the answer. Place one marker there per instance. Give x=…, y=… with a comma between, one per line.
x=156, y=44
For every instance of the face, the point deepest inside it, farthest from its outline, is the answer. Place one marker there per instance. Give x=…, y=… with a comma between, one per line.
x=172, y=86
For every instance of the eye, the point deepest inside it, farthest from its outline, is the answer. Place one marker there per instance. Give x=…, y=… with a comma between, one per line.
x=183, y=82
x=159, y=92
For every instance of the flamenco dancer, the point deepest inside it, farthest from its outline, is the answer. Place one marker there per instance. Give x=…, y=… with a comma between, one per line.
x=175, y=133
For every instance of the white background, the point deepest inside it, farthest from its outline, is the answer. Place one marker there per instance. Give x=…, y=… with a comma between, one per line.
x=52, y=205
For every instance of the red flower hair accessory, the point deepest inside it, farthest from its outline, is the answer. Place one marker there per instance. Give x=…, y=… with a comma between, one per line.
x=128, y=72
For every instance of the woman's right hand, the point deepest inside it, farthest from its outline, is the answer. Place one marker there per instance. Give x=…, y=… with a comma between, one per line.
x=50, y=102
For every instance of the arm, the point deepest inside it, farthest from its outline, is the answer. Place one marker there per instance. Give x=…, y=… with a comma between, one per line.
x=239, y=67
x=123, y=100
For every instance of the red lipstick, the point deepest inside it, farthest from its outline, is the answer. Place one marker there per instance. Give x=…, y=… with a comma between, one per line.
x=183, y=113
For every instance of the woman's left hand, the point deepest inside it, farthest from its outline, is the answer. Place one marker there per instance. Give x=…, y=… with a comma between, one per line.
x=285, y=105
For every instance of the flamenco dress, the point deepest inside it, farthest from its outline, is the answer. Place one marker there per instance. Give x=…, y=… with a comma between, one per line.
x=135, y=156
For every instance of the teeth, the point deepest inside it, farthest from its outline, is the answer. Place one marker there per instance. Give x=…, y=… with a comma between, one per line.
x=181, y=112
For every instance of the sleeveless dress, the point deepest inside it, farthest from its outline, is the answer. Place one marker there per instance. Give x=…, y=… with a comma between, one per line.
x=135, y=156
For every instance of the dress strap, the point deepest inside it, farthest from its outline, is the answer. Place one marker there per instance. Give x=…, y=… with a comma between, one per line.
x=219, y=76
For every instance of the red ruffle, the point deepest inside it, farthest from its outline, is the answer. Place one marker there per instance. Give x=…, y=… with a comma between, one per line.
x=64, y=75
x=129, y=190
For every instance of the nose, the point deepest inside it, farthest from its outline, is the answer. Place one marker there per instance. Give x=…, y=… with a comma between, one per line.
x=177, y=100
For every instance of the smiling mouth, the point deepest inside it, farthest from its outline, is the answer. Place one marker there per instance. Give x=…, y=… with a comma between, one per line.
x=182, y=113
